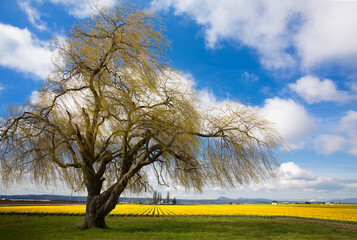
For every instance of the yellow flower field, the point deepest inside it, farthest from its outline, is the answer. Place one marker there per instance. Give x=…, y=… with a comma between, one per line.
x=330, y=212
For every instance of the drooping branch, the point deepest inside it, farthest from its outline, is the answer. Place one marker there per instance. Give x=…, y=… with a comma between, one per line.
x=113, y=111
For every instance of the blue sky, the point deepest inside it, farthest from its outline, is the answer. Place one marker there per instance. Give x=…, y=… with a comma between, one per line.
x=294, y=61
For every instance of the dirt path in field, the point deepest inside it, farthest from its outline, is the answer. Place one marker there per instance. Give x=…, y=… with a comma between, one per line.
x=325, y=223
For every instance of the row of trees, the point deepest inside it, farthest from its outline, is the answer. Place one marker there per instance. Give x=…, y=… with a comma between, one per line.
x=157, y=198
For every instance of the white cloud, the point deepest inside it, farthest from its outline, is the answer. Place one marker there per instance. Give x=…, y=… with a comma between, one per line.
x=291, y=171
x=315, y=30
x=82, y=8
x=290, y=182
x=291, y=120
x=328, y=32
x=313, y=90
x=34, y=97
x=344, y=137
x=207, y=99
x=249, y=77
x=327, y=144
x=348, y=125
x=32, y=14
x=257, y=24
x=76, y=8
x=291, y=176
x=1, y=87
x=22, y=51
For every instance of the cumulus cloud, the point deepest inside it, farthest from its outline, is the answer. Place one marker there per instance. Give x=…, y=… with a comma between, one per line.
x=291, y=120
x=257, y=24
x=343, y=139
x=33, y=14
x=327, y=144
x=328, y=32
x=21, y=51
x=291, y=171
x=280, y=31
x=291, y=176
x=314, y=90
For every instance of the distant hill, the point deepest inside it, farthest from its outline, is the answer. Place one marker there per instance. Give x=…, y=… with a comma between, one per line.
x=223, y=198
x=264, y=200
x=346, y=200
x=258, y=200
x=245, y=200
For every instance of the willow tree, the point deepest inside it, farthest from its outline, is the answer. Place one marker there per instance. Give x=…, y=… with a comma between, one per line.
x=112, y=113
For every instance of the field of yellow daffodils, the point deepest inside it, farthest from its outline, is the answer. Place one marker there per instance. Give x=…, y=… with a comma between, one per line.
x=329, y=212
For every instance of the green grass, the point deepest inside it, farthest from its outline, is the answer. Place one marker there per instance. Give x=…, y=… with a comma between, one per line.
x=64, y=227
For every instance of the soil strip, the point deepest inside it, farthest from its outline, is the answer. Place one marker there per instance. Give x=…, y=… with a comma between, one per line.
x=325, y=223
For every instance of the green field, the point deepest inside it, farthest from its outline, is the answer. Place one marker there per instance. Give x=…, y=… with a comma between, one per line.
x=64, y=227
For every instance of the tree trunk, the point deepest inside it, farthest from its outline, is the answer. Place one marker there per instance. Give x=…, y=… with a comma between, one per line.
x=99, y=205
x=94, y=218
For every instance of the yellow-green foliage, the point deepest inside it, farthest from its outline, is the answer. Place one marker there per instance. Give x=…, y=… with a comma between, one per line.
x=329, y=212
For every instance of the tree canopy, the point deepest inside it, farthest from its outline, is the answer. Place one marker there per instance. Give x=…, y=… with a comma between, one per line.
x=113, y=112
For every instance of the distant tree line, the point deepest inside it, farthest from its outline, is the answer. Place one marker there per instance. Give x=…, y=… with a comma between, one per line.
x=157, y=198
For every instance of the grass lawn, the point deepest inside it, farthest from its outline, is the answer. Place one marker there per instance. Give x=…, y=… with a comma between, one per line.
x=64, y=227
